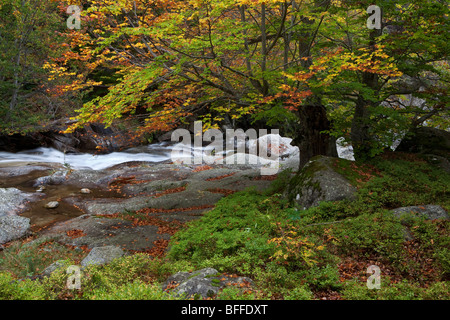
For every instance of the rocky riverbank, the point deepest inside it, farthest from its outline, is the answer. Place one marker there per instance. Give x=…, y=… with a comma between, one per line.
x=88, y=208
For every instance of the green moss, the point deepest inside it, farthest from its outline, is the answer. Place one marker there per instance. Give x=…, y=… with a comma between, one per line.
x=304, y=179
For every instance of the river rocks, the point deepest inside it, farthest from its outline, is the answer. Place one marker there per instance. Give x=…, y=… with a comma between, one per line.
x=169, y=195
x=84, y=178
x=102, y=255
x=203, y=283
x=91, y=231
x=272, y=145
x=52, y=205
x=13, y=227
x=318, y=181
x=14, y=201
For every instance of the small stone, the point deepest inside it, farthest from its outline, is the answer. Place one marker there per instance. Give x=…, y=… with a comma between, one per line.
x=85, y=191
x=52, y=205
x=41, y=189
x=59, y=264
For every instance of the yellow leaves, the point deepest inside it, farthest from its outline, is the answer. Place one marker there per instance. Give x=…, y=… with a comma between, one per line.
x=292, y=247
x=301, y=76
x=257, y=2
x=331, y=64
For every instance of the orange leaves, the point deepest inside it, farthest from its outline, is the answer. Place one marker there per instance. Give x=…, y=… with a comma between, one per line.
x=75, y=233
x=202, y=168
x=291, y=96
x=267, y=178
x=221, y=177
x=170, y=191
x=221, y=191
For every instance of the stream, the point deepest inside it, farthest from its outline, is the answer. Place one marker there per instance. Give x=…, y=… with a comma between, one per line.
x=151, y=153
x=133, y=179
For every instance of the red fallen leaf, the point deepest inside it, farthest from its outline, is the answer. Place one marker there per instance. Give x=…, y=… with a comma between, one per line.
x=202, y=168
x=223, y=191
x=268, y=178
x=169, y=191
x=221, y=177
x=75, y=233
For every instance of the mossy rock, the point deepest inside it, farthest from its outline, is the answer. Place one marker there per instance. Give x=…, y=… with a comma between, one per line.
x=319, y=181
x=426, y=140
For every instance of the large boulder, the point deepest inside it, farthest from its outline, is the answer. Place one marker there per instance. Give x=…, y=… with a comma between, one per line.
x=426, y=140
x=319, y=181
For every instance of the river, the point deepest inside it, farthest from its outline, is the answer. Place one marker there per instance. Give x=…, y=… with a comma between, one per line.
x=157, y=152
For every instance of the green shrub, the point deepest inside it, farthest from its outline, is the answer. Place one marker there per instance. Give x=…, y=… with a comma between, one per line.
x=13, y=289
x=31, y=258
x=135, y=290
x=233, y=293
x=403, y=290
x=380, y=233
x=299, y=293
x=323, y=278
x=242, y=220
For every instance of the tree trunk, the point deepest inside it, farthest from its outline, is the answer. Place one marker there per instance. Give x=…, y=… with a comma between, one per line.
x=310, y=138
x=360, y=131
x=361, y=136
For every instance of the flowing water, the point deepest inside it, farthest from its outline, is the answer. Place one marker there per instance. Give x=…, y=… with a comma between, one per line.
x=57, y=160
x=152, y=153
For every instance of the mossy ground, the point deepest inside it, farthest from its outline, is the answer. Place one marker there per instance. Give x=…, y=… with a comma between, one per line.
x=322, y=252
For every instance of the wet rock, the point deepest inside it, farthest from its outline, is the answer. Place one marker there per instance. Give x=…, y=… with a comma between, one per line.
x=13, y=227
x=102, y=255
x=14, y=201
x=85, y=191
x=273, y=145
x=170, y=201
x=81, y=178
x=52, y=205
x=91, y=231
x=170, y=193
